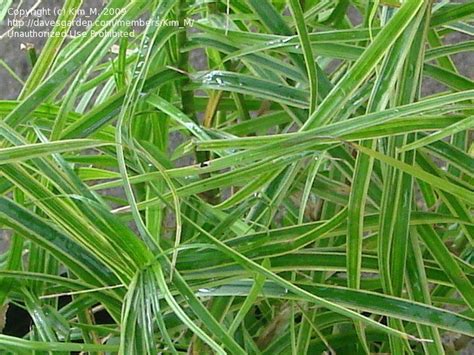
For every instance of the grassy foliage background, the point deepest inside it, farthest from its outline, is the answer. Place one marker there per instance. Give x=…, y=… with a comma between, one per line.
x=318, y=200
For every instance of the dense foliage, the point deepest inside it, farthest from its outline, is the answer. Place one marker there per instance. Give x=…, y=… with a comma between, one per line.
x=270, y=180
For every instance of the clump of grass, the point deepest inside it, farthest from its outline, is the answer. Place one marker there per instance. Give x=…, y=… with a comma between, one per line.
x=297, y=192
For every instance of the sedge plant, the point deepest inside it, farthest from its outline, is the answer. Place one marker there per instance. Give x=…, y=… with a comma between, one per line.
x=242, y=177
